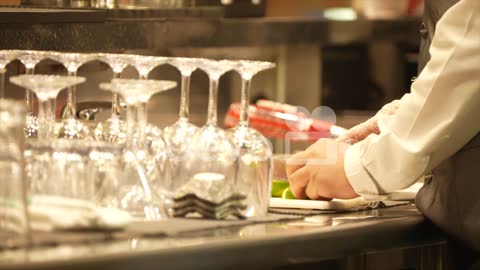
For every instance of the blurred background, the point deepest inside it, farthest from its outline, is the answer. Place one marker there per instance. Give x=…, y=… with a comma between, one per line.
x=351, y=55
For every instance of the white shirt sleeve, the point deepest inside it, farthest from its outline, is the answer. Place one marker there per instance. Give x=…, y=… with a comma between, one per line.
x=438, y=118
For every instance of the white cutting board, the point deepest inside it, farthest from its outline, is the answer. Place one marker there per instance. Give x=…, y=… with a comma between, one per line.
x=335, y=204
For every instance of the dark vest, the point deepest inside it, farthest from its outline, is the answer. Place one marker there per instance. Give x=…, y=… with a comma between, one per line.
x=451, y=198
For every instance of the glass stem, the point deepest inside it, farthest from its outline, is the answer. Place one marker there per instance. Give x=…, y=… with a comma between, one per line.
x=29, y=95
x=142, y=122
x=212, y=102
x=143, y=76
x=131, y=118
x=46, y=119
x=2, y=82
x=71, y=109
x=24, y=191
x=116, y=100
x=185, y=97
x=244, y=102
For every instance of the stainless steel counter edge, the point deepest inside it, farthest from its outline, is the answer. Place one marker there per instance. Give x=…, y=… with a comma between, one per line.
x=303, y=245
x=164, y=33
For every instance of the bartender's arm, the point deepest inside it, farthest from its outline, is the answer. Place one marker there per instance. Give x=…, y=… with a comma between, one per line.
x=432, y=123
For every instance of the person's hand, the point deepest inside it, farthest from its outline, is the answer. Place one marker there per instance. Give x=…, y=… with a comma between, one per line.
x=361, y=131
x=317, y=173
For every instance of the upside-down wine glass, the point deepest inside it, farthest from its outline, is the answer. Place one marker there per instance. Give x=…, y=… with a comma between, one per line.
x=70, y=127
x=30, y=59
x=141, y=194
x=114, y=128
x=46, y=87
x=144, y=64
x=6, y=56
x=255, y=151
x=182, y=130
x=210, y=150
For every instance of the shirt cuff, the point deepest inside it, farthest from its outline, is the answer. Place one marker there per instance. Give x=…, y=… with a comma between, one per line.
x=357, y=175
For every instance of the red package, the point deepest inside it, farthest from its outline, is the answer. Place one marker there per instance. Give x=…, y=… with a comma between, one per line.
x=282, y=121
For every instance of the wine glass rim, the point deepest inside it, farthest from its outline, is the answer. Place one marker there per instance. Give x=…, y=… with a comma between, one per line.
x=143, y=83
x=66, y=57
x=9, y=54
x=78, y=79
x=215, y=68
x=102, y=56
x=254, y=62
x=135, y=90
x=138, y=57
x=29, y=51
x=185, y=59
x=41, y=81
x=30, y=55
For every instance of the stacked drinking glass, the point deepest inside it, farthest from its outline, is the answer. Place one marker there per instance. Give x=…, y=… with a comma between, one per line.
x=130, y=164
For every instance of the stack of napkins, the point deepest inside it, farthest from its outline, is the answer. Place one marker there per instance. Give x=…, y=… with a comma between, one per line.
x=210, y=196
x=50, y=213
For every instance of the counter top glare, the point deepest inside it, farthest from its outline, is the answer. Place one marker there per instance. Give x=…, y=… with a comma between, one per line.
x=250, y=246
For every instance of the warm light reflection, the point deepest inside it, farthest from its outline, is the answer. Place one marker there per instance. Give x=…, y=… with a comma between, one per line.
x=340, y=14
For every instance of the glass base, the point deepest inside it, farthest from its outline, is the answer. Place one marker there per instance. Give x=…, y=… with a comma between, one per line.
x=72, y=128
x=177, y=135
x=209, y=151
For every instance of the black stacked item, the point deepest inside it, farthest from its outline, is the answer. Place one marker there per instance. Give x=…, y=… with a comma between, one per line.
x=210, y=196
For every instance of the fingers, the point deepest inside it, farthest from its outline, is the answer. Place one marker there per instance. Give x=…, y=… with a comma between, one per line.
x=298, y=183
x=296, y=162
x=303, y=187
x=358, y=133
x=361, y=131
x=311, y=191
x=390, y=108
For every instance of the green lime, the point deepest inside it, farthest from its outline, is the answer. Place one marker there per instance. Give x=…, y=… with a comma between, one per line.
x=278, y=186
x=288, y=195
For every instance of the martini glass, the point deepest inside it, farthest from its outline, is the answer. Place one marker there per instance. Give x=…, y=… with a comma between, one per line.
x=46, y=87
x=114, y=128
x=144, y=65
x=70, y=127
x=255, y=151
x=6, y=56
x=30, y=59
x=210, y=150
x=141, y=194
x=176, y=134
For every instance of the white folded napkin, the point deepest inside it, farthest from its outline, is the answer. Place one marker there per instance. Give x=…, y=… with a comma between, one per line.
x=50, y=213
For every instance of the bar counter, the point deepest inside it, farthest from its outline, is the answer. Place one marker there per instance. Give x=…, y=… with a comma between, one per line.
x=259, y=246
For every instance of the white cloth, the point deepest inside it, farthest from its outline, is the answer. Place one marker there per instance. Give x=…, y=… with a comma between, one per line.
x=50, y=213
x=434, y=121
